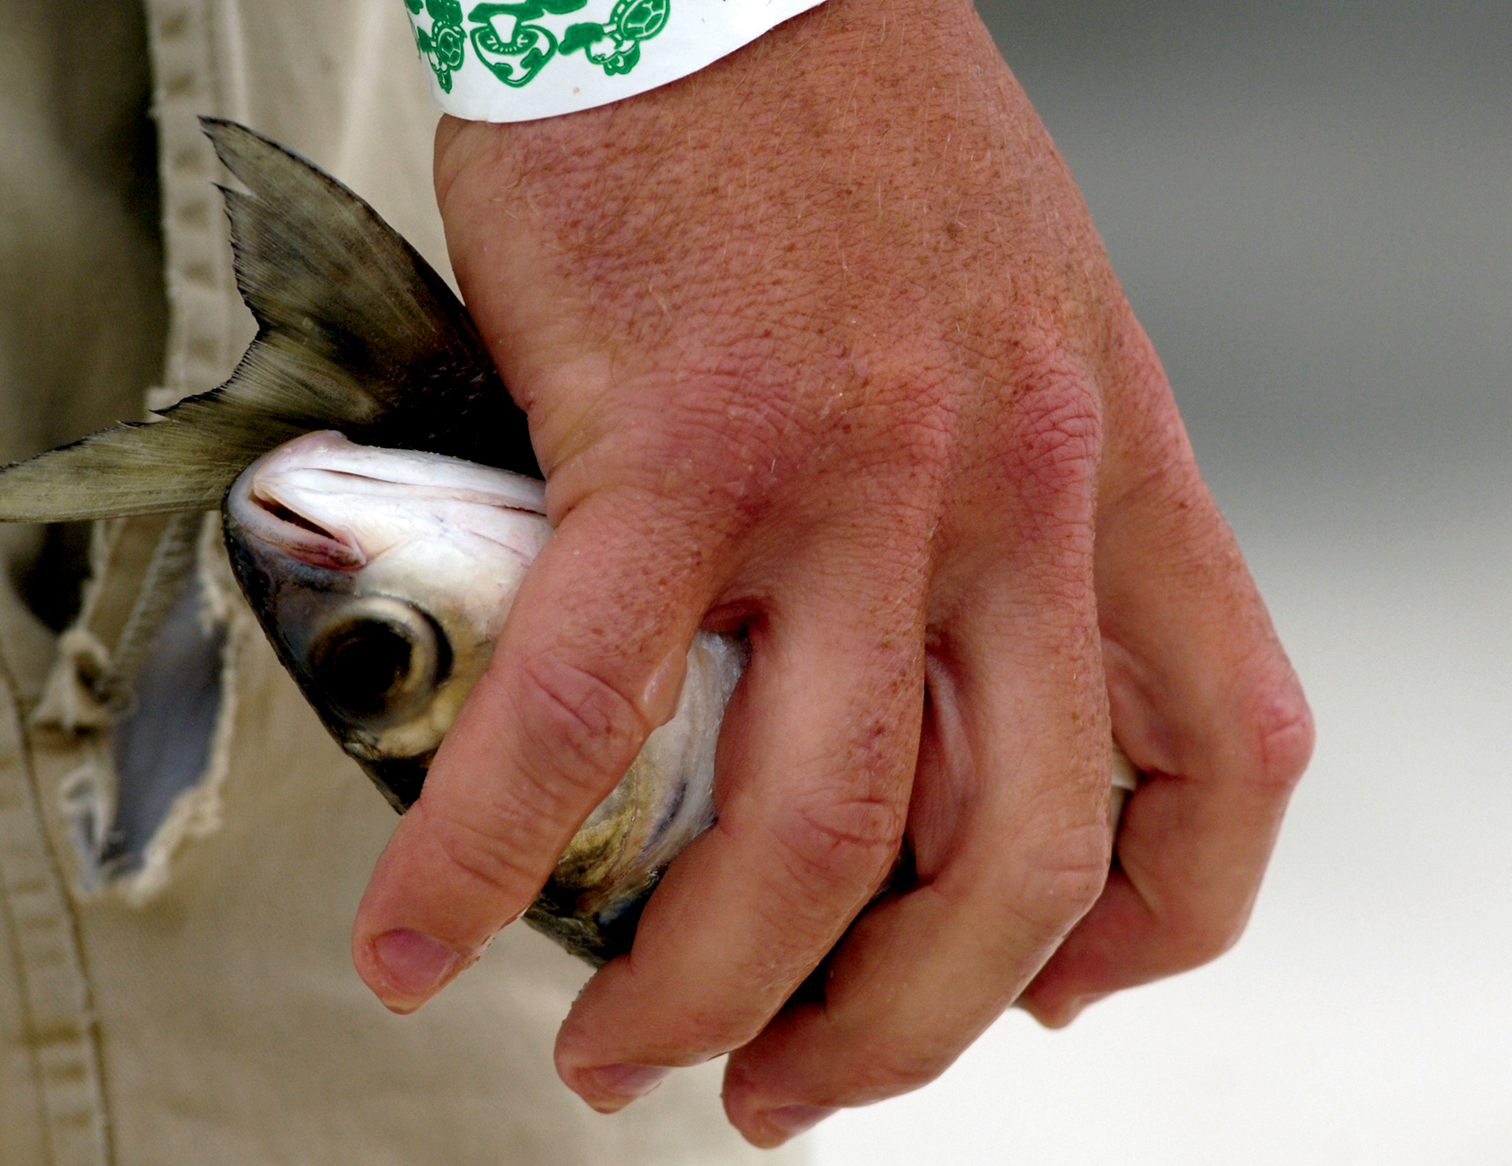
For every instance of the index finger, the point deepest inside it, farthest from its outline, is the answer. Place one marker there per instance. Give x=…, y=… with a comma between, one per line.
x=590, y=661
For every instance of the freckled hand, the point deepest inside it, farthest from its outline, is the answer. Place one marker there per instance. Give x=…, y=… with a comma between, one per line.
x=830, y=351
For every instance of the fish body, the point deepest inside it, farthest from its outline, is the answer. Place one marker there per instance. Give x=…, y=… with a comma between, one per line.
x=383, y=578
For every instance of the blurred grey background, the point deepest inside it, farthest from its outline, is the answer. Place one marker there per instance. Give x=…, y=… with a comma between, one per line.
x=1310, y=206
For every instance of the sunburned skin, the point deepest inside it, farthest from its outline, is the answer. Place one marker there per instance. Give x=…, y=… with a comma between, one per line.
x=383, y=578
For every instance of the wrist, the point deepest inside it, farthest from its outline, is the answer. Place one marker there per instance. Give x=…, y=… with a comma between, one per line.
x=833, y=71
x=599, y=230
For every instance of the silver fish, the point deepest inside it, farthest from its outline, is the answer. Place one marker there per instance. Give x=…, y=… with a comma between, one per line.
x=383, y=578
x=382, y=563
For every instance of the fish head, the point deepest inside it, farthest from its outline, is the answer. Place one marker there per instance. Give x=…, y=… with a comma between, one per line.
x=382, y=578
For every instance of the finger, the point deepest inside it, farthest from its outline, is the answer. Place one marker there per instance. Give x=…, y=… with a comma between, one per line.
x=1008, y=829
x=1205, y=704
x=590, y=660
x=815, y=764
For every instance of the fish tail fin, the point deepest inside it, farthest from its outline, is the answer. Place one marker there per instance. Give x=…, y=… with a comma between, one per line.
x=356, y=332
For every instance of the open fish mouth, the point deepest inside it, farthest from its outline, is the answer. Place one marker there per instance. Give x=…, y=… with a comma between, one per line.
x=326, y=501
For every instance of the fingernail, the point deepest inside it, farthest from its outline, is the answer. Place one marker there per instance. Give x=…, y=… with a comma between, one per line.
x=789, y=1121
x=664, y=686
x=413, y=964
x=621, y=1083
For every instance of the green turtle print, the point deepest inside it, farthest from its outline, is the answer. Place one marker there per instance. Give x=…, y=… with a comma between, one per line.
x=615, y=45
x=443, y=46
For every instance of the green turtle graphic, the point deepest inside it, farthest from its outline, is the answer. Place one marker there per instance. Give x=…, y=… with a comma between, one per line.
x=516, y=50
x=443, y=46
x=629, y=23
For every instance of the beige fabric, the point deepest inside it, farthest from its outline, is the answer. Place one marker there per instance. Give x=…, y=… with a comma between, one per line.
x=81, y=302
x=209, y=1014
x=50, y=1098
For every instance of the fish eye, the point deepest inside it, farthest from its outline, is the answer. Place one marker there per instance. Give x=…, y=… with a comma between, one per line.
x=377, y=661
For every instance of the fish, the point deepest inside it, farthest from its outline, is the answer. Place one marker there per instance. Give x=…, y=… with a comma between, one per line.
x=383, y=578
x=380, y=504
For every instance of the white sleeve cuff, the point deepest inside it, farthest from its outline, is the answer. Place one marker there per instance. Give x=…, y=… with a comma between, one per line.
x=541, y=58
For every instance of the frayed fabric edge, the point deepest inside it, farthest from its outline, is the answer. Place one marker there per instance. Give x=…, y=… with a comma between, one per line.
x=87, y=794
x=196, y=812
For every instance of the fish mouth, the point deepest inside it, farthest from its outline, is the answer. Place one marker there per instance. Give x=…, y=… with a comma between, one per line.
x=307, y=497
x=266, y=517
x=260, y=503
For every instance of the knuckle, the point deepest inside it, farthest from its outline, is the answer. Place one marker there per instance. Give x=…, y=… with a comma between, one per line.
x=1274, y=725
x=715, y=433
x=484, y=858
x=581, y=731
x=838, y=848
x=705, y=457
x=1057, y=435
x=1283, y=736
x=1060, y=883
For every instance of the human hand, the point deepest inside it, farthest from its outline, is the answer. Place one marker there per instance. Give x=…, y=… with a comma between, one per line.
x=820, y=342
